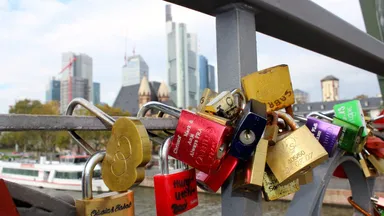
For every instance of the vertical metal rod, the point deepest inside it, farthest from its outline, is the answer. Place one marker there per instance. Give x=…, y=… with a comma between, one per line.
x=236, y=54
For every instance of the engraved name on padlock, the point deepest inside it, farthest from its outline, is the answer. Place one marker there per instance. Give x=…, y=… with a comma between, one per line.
x=225, y=104
x=273, y=190
x=352, y=112
x=249, y=130
x=326, y=133
x=271, y=86
x=128, y=151
x=215, y=179
x=199, y=142
x=176, y=192
x=295, y=154
x=114, y=204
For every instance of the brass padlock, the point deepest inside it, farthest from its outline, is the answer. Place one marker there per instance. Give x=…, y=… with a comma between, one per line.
x=226, y=105
x=271, y=86
x=127, y=153
x=295, y=154
x=306, y=178
x=116, y=204
x=272, y=190
x=272, y=129
x=364, y=166
x=206, y=97
x=249, y=176
x=377, y=163
x=215, y=118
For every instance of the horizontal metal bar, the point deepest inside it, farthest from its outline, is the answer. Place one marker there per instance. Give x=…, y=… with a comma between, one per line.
x=20, y=122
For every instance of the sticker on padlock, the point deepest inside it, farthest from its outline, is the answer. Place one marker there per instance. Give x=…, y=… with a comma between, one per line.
x=127, y=153
x=176, y=192
x=200, y=142
x=350, y=139
x=272, y=129
x=271, y=86
x=296, y=153
x=225, y=105
x=113, y=203
x=249, y=176
x=272, y=190
x=249, y=130
x=212, y=182
x=206, y=97
x=326, y=133
x=352, y=112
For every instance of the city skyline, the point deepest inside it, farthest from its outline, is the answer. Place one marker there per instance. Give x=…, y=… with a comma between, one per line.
x=35, y=36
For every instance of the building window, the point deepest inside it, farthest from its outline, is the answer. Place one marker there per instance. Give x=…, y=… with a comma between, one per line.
x=309, y=107
x=322, y=106
x=295, y=108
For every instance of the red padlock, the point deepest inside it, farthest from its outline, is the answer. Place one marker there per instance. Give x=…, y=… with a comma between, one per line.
x=200, y=142
x=339, y=172
x=175, y=193
x=212, y=182
x=7, y=206
x=374, y=143
x=377, y=152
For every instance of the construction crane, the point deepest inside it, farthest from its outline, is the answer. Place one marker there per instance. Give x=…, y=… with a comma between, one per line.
x=69, y=66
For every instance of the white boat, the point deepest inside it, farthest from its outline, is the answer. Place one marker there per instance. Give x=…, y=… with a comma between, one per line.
x=63, y=175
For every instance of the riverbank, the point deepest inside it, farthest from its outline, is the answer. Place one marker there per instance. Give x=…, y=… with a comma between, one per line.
x=332, y=196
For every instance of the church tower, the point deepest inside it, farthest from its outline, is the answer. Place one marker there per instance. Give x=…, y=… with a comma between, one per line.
x=144, y=92
x=163, y=93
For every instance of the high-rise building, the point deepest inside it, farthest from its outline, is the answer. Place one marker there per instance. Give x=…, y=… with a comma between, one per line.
x=301, y=97
x=212, y=77
x=203, y=70
x=330, y=88
x=53, y=90
x=76, y=78
x=96, y=93
x=182, y=63
x=133, y=71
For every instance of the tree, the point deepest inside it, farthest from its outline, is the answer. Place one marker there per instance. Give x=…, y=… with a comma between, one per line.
x=98, y=139
x=362, y=96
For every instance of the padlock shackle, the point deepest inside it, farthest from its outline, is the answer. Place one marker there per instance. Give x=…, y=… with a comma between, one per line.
x=87, y=176
x=318, y=114
x=275, y=118
x=238, y=92
x=288, y=120
x=163, y=155
x=170, y=110
x=104, y=118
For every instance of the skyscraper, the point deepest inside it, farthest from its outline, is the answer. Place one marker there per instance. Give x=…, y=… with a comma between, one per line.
x=53, y=90
x=182, y=63
x=203, y=70
x=76, y=78
x=212, y=77
x=134, y=70
x=96, y=93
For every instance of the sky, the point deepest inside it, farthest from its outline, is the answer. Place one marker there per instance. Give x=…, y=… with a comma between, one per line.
x=34, y=33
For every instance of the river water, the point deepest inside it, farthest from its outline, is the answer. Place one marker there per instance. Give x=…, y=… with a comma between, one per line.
x=210, y=204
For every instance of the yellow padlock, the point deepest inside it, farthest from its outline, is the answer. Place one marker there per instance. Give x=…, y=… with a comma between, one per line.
x=295, y=154
x=271, y=86
x=206, y=97
x=127, y=153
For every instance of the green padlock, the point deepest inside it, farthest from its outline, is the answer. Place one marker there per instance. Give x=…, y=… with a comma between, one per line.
x=351, y=139
x=352, y=112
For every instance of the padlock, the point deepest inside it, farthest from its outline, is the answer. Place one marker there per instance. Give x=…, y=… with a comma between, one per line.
x=206, y=97
x=377, y=163
x=249, y=176
x=176, y=192
x=271, y=129
x=350, y=139
x=352, y=112
x=339, y=172
x=379, y=153
x=127, y=153
x=306, y=178
x=295, y=154
x=273, y=190
x=225, y=105
x=271, y=86
x=326, y=133
x=108, y=203
x=200, y=142
x=378, y=201
x=215, y=118
x=374, y=142
x=367, y=172
x=249, y=130
x=215, y=179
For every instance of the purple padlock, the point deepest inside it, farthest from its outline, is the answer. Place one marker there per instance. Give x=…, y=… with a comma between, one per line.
x=327, y=133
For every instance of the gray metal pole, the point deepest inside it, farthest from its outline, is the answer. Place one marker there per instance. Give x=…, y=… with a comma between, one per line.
x=236, y=54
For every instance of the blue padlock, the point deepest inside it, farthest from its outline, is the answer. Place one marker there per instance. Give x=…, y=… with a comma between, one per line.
x=249, y=130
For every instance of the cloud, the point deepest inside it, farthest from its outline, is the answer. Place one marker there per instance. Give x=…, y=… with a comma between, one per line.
x=33, y=34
